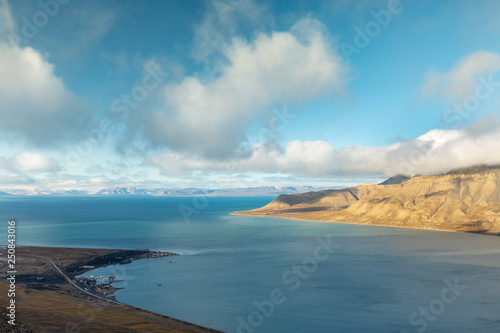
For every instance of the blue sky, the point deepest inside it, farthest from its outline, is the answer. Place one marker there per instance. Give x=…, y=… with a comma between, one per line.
x=227, y=93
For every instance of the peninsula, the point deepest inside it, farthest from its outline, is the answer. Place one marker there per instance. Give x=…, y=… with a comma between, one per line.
x=49, y=298
x=466, y=200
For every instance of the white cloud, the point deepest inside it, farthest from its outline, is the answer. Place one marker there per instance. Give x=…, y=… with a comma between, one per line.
x=207, y=116
x=29, y=162
x=6, y=21
x=434, y=152
x=462, y=80
x=223, y=20
x=34, y=102
x=33, y=162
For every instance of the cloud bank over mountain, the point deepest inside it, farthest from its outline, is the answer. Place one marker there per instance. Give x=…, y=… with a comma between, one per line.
x=434, y=152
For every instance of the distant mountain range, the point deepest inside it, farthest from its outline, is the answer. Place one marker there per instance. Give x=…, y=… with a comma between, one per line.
x=126, y=190
x=462, y=200
x=44, y=192
x=183, y=192
x=189, y=192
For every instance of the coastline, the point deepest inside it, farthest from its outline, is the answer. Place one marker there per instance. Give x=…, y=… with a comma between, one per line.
x=462, y=200
x=282, y=216
x=121, y=257
x=48, y=299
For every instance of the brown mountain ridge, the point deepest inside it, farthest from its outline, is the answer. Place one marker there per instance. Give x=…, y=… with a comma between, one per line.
x=465, y=200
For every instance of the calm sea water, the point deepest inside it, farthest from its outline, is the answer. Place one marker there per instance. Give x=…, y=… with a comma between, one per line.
x=246, y=274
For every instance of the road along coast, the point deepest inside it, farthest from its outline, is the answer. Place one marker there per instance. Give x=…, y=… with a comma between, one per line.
x=48, y=299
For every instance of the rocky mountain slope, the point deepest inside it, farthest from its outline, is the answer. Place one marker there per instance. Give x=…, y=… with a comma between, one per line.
x=461, y=200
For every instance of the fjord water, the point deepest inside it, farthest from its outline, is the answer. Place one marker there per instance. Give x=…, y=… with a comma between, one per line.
x=347, y=278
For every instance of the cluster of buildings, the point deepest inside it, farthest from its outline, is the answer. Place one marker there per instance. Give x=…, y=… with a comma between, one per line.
x=95, y=283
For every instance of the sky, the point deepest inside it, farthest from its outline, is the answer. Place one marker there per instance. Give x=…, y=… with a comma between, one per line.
x=241, y=93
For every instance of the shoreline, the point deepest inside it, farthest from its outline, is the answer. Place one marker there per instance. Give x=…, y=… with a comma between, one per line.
x=117, y=257
x=362, y=224
x=463, y=200
x=120, y=257
x=48, y=297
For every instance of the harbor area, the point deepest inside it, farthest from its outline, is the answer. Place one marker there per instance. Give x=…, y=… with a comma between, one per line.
x=100, y=285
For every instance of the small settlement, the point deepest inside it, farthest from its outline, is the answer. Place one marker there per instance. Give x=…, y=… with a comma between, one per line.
x=101, y=284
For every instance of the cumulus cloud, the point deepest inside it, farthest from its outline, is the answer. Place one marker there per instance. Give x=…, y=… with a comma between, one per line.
x=462, y=80
x=34, y=102
x=208, y=116
x=29, y=162
x=223, y=20
x=434, y=152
